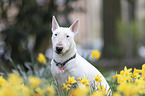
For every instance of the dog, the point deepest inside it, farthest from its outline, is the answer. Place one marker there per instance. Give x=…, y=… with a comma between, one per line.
x=66, y=61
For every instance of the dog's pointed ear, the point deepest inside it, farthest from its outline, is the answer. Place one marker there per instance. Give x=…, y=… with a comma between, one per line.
x=75, y=26
x=55, y=24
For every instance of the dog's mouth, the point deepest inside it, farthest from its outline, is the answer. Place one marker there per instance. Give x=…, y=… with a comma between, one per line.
x=58, y=52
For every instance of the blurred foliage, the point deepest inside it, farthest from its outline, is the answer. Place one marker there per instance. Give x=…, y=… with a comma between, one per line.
x=30, y=30
x=123, y=32
x=32, y=68
x=136, y=37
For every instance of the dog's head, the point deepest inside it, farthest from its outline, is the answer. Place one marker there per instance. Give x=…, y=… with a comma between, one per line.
x=63, y=37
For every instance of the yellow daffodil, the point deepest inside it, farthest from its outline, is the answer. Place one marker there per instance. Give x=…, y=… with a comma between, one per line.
x=98, y=93
x=34, y=81
x=137, y=70
x=79, y=79
x=71, y=80
x=127, y=72
x=115, y=75
x=120, y=79
x=143, y=70
x=9, y=91
x=65, y=87
x=50, y=91
x=98, y=78
x=80, y=91
x=85, y=81
x=128, y=89
x=2, y=80
x=41, y=58
x=141, y=84
x=95, y=54
x=101, y=88
x=129, y=86
x=14, y=78
x=14, y=86
x=135, y=75
x=116, y=94
x=25, y=90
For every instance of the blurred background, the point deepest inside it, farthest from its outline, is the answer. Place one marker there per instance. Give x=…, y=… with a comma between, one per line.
x=115, y=27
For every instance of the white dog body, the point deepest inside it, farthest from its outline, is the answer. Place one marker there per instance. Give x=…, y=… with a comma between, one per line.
x=64, y=38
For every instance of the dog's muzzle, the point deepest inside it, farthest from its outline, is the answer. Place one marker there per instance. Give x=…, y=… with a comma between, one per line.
x=59, y=49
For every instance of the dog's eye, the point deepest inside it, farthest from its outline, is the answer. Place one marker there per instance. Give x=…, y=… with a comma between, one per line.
x=55, y=34
x=67, y=36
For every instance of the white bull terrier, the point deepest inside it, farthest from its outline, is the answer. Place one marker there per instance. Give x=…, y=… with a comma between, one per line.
x=66, y=61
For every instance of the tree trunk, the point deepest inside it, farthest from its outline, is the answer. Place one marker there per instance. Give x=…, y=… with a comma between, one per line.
x=111, y=13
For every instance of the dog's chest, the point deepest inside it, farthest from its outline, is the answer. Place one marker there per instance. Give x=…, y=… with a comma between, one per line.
x=59, y=75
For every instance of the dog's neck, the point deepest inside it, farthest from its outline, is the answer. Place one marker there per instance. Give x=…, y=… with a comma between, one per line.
x=68, y=54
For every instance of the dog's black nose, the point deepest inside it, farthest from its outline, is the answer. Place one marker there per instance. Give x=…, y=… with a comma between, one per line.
x=59, y=49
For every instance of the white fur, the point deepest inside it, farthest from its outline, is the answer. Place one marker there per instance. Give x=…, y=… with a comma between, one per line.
x=78, y=66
